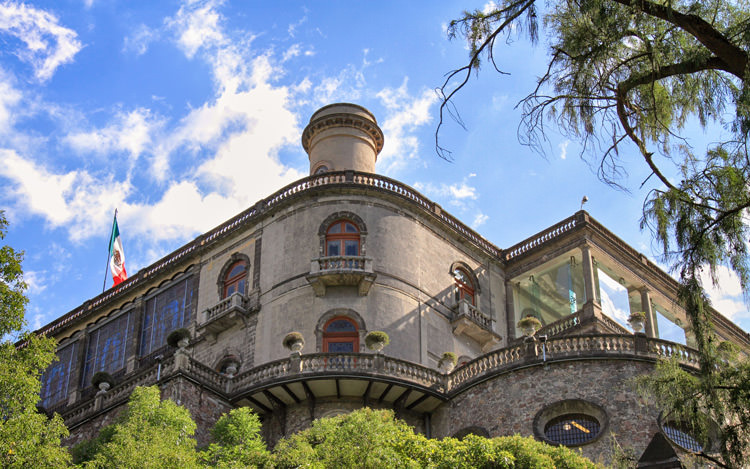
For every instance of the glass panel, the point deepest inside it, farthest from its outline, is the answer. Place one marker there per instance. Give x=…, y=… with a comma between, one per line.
x=56, y=378
x=550, y=293
x=666, y=329
x=349, y=228
x=340, y=347
x=335, y=228
x=106, y=349
x=334, y=248
x=167, y=311
x=351, y=248
x=682, y=437
x=321, y=169
x=238, y=269
x=231, y=288
x=571, y=429
x=614, y=298
x=461, y=276
x=340, y=325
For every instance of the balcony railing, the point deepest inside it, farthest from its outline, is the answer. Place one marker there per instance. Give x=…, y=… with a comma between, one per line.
x=364, y=366
x=331, y=271
x=468, y=320
x=226, y=313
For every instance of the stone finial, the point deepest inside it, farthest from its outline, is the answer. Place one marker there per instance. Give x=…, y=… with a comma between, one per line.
x=341, y=137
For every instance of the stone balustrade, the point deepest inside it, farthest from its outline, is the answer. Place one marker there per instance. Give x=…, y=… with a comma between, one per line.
x=389, y=369
x=465, y=308
x=561, y=325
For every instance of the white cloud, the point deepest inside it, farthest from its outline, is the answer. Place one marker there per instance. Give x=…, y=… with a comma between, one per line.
x=726, y=293
x=35, y=281
x=129, y=132
x=479, y=220
x=197, y=25
x=76, y=200
x=404, y=114
x=563, y=146
x=48, y=44
x=9, y=99
x=139, y=40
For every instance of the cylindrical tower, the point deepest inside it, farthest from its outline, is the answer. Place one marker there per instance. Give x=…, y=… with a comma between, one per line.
x=342, y=136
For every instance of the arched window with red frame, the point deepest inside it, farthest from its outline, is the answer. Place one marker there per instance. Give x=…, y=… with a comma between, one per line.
x=342, y=239
x=464, y=286
x=234, y=279
x=340, y=335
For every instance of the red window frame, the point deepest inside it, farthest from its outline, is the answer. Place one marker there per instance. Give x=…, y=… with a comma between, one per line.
x=341, y=337
x=234, y=280
x=342, y=236
x=464, y=289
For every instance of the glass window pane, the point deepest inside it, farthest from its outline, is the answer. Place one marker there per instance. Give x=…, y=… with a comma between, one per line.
x=334, y=248
x=351, y=248
x=351, y=228
x=572, y=429
x=238, y=269
x=341, y=325
x=668, y=330
x=340, y=347
x=335, y=228
x=614, y=298
x=56, y=378
x=167, y=311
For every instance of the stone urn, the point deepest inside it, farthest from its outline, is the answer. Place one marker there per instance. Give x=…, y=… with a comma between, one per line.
x=529, y=325
x=102, y=381
x=294, y=342
x=637, y=321
x=448, y=362
x=376, y=340
x=179, y=338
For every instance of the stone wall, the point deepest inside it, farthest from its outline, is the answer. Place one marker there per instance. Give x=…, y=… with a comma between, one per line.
x=508, y=403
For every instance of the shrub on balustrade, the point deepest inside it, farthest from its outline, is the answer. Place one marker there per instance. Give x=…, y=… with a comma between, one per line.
x=293, y=341
x=102, y=377
x=376, y=340
x=237, y=442
x=177, y=335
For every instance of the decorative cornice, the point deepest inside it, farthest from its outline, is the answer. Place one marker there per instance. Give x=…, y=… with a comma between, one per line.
x=330, y=121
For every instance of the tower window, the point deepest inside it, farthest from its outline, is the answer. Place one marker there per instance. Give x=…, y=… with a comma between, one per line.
x=235, y=279
x=342, y=239
x=340, y=335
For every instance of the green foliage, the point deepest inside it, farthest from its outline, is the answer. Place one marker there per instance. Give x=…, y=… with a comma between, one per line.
x=152, y=433
x=101, y=377
x=291, y=339
x=177, y=335
x=375, y=338
x=12, y=298
x=449, y=357
x=368, y=438
x=237, y=442
x=27, y=438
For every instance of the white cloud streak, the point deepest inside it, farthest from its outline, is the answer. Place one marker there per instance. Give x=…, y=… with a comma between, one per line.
x=48, y=44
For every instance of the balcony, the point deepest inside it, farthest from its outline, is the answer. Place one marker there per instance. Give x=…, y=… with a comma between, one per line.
x=228, y=312
x=334, y=271
x=472, y=323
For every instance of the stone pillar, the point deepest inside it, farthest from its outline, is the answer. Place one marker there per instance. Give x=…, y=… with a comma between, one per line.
x=589, y=276
x=510, y=311
x=650, y=313
x=134, y=335
x=76, y=375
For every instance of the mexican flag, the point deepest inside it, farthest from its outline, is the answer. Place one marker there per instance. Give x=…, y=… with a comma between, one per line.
x=117, y=256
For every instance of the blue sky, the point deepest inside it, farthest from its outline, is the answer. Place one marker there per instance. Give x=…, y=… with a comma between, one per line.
x=181, y=114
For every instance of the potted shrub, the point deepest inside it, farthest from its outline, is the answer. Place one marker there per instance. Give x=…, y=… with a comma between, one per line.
x=376, y=340
x=529, y=325
x=637, y=320
x=294, y=341
x=179, y=338
x=448, y=361
x=102, y=380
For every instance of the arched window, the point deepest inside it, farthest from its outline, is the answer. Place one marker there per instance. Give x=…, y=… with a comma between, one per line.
x=321, y=169
x=340, y=335
x=234, y=279
x=464, y=285
x=342, y=239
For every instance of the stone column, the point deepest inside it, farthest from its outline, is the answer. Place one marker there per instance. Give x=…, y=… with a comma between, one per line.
x=134, y=335
x=510, y=311
x=589, y=276
x=650, y=314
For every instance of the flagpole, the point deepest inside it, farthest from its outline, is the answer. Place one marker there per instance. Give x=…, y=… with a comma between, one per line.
x=109, y=250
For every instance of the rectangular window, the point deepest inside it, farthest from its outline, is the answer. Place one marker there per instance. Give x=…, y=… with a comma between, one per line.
x=168, y=310
x=106, y=348
x=56, y=379
x=334, y=248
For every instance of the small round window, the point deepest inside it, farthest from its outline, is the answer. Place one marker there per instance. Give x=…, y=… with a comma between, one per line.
x=682, y=437
x=572, y=429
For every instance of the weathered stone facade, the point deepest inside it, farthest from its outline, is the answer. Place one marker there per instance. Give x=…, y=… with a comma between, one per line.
x=344, y=252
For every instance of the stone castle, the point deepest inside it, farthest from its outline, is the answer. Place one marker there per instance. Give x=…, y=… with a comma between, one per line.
x=344, y=252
